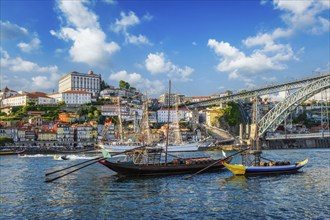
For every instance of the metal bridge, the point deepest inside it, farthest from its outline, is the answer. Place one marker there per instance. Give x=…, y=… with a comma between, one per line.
x=281, y=111
x=258, y=92
x=305, y=88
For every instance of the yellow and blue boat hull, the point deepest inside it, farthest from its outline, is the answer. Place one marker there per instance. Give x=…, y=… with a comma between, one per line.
x=239, y=169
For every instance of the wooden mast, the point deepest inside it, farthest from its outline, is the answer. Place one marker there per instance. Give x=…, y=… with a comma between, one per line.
x=255, y=138
x=147, y=121
x=168, y=119
x=178, y=138
x=120, y=121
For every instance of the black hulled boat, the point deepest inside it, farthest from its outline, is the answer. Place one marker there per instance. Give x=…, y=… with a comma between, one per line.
x=147, y=162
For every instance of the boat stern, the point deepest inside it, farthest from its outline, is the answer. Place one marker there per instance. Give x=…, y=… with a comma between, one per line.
x=236, y=169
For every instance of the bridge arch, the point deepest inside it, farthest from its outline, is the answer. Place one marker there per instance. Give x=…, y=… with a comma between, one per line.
x=281, y=111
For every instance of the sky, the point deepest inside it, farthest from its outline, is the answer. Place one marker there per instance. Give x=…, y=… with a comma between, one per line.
x=203, y=47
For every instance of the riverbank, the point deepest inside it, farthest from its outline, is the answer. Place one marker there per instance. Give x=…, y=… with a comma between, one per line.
x=298, y=143
x=59, y=149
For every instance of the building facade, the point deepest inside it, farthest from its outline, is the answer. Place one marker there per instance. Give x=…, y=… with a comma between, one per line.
x=72, y=97
x=5, y=93
x=162, y=115
x=174, y=99
x=75, y=81
x=37, y=98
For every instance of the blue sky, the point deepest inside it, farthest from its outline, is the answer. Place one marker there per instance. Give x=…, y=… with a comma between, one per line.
x=204, y=47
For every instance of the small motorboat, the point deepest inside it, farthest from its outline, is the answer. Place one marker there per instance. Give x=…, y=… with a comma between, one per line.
x=10, y=152
x=64, y=157
x=267, y=169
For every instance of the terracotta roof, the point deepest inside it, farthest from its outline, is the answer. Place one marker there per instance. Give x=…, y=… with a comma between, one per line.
x=77, y=92
x=201, y=97
x=173, y=109
x=37, y=94
x=110, y=105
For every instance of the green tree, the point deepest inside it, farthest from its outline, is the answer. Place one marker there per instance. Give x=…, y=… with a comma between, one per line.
x=104, y=85
x=90, y=115
x=31, y=103
x=124, y=85
x=61, y=103
x=232, y=113
x=5, y=140
x=96, y=113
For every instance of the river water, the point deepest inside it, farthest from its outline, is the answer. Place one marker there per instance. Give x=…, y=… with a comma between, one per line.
x=95, y=192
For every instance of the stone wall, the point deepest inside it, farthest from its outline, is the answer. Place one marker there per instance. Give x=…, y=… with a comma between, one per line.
x=297, y=143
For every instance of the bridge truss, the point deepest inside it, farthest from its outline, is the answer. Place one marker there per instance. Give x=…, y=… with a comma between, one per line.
x=259, y=92
x=281, y=111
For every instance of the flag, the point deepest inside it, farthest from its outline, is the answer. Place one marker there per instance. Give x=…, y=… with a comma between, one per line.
x=105, y=153
x=224, y=154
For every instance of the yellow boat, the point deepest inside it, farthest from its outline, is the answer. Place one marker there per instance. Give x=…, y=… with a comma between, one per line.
x=239, y=169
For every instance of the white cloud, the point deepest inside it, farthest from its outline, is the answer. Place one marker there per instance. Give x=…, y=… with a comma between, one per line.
x=130, y=20
x=235, y=61
x=126, y=21
x=136, y=80
x=132, y=39
x=304, y=15
x=267, y=53
x=110, y=2
x=147, y=17
x=11, y=31
x=48, y=78
x=45, y=82
x=271, y=79
x=19, y=65
x=77, y=15
x=220, y=88
x=28, y=47
x=240, y=66
x=157, y=64
x=267, y=39
x=89, y=41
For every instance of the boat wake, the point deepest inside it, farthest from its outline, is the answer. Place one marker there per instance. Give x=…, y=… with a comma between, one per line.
x=57, y=157
x=80, y=157
x=36, y=155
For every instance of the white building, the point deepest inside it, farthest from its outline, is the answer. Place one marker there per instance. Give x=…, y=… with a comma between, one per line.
x=113, y=110
x=38, y=98
x=17, y=100
x=81, y=82
x=6, y=93
x=110, y=92
x=162, y=114
x=199, y=98
x=72, y=97
x=127, y=113
x=174, y=98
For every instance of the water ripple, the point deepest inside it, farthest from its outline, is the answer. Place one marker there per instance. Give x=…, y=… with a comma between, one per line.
x=96, y=193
